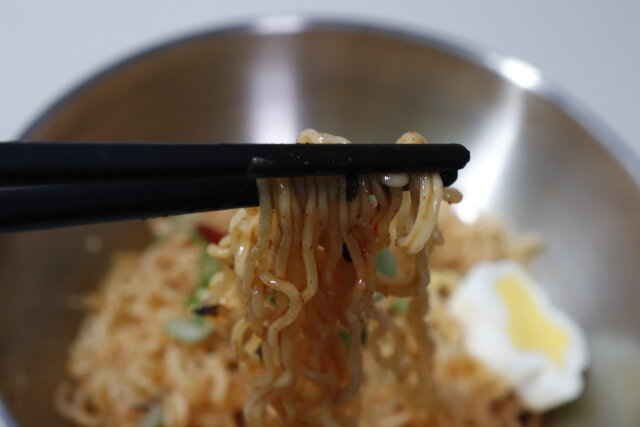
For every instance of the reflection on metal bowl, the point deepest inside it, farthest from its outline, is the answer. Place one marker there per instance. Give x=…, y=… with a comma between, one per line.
x=536, y=158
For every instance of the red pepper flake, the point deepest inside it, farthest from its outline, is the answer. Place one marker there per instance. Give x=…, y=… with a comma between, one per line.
x=375, y=229
x=209, y=233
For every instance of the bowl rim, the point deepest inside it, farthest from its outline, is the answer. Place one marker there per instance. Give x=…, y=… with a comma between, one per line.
x=499, y=64
x=510, y=68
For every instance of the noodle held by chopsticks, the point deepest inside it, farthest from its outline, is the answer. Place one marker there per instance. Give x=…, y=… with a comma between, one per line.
x=308, y=283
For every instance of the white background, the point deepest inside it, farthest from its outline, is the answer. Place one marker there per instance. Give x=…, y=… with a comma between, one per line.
x=588, y=47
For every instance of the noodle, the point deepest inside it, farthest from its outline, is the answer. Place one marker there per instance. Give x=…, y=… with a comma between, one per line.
x=306, y=331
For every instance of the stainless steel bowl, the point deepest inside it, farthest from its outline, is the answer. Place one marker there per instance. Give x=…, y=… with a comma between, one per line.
x=536, y=158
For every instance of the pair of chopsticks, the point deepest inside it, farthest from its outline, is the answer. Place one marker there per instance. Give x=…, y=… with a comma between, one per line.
x=53, y=184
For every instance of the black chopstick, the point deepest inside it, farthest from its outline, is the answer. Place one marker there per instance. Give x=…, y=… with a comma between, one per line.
x=49, y=206
x=46, y=185
x=48, y=162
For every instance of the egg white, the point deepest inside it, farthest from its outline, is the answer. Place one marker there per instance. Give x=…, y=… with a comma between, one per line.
x=538, y=380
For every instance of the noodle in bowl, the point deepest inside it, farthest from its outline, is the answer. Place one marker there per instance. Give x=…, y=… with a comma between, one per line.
x=305, y=331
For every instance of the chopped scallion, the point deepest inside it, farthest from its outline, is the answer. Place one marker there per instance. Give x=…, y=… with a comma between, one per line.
x=196, y=237
x=344, y=336
x=208, y=266
x=400, y=306
x=152, y=419
x=189, y=331
x=386, y=263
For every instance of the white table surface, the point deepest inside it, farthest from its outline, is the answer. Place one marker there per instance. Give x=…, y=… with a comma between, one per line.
x=588, y=47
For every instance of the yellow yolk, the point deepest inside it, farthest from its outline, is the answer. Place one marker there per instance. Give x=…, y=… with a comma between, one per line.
x=529, y=326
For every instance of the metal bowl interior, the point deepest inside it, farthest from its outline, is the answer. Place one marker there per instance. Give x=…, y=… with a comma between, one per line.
x=534, y=161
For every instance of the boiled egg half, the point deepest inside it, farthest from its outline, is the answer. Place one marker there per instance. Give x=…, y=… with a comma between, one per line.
x=511, y=326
